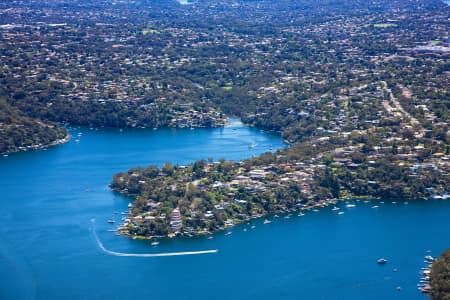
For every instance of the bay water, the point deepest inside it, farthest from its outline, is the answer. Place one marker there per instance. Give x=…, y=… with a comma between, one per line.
x=49, y=198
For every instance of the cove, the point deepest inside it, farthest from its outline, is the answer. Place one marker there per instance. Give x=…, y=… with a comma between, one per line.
x=48, y=250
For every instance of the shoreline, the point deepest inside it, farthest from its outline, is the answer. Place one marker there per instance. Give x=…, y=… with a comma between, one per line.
x=304, y=208
x=39, y=146
x=285, y=214
x=68, y=136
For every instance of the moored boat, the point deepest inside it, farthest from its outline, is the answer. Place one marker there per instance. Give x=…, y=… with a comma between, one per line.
x=429, y=258
x=382, y=261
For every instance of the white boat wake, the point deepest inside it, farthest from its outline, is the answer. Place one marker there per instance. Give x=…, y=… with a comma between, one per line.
x=102, y=247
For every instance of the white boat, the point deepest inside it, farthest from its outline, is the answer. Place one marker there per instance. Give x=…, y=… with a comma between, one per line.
x=111, y=221
x=429, y=258
x=375, y=206
x=301, y=214
x=228, y=233
x=382, y=261
x=350, y=205
x=267, y=221
x=155, y=243
x=335, y=208
x=130, y=205
x=340, y=213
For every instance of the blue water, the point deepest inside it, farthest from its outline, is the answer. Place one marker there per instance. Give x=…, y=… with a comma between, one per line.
x=47, y=249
